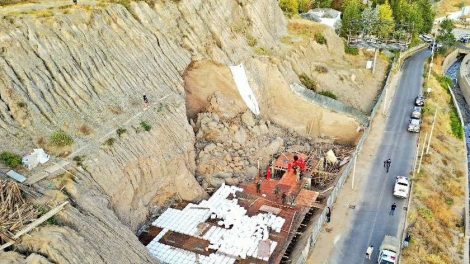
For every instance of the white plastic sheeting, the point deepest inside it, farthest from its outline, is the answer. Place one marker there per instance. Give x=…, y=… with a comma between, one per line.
x=239, y=76
x=32, y=160
x=237, y=234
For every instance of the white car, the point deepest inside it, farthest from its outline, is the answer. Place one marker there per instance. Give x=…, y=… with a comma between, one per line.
x=416, y=114
x=414, y=125
x=402, y=187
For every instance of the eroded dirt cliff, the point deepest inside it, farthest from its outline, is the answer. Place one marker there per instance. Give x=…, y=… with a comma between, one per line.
x=84, y=69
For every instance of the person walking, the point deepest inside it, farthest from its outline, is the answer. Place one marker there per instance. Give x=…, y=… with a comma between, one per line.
x=146, y=101
x=369, y=251
x=328, y=215
x=392, y=209
x=258, y=186
x=387, y=164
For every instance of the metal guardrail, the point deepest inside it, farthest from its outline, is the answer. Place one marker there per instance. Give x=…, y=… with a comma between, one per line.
x=347, y=171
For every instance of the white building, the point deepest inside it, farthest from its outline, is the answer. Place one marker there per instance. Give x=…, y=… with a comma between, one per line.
x=326, y=16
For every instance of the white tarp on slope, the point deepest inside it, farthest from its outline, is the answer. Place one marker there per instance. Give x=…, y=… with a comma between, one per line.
x=32, y=160
x=239, y=76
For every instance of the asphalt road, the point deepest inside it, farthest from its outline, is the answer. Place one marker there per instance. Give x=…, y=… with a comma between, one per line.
x=372, y=220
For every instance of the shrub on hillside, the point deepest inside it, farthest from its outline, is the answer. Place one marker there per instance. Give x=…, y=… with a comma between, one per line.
x=252, y=41
x=328, y=94
x=351, y=50
x=290, y=7
x=320, y=39
x=10, y=159
x=61, y=139
x=145, y=126
x=321, y=69
x=307, y=82
x=455, y=124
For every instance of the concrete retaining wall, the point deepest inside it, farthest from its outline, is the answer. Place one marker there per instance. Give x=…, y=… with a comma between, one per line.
x=449, y=60
x=464, y=78
x=329, y=103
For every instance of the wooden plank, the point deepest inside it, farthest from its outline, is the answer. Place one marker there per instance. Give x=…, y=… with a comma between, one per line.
x=36, y=223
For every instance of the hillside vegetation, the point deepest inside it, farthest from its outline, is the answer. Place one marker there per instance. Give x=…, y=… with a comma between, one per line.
x=436, y=221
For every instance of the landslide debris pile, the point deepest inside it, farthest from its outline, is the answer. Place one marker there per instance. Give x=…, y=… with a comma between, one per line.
x=228, y=149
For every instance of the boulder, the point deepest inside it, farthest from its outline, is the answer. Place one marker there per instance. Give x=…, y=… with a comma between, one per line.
x=240, y=136
x=247, y=119
x=223, y=175
x=215, y=182
x=251, y=172
x=210, y=147
x=232, y=181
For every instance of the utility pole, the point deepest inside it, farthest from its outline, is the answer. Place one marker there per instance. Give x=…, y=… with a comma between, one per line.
x=354, y=172
x=375, y=60
x=432, y=129
x=432, y=56
x=422, y=153
x=416, y=160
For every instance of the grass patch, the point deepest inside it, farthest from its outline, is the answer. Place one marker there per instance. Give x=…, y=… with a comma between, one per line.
x=120, y=131
x=328, y=94
x=42, y=210
x=444, y=81
x=252, y=41
x=145, y=126
x=320, y=39
x=10, y=159
x=109, y=142
x=351, y=50
x=79, y=160
x=85, y=130
x=21, y=104
x=60, y=139
x=455, y=124
x=321, y=69
x=262, y=51
x=307, y=82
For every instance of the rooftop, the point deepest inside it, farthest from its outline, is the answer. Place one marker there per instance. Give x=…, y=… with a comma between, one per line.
x=236, y=224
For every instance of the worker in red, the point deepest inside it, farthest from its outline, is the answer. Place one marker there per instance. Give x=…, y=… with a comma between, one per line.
x=298, y=165
x=268, y=174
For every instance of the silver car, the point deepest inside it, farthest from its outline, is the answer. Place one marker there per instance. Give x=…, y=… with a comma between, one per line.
x=414, y=125
x=416, y=114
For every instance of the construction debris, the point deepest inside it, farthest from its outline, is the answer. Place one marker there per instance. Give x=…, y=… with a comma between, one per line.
x=15, y=211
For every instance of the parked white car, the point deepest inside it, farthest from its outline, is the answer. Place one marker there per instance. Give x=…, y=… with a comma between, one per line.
x=414, y=125
x=416, y=114
x=402, y=187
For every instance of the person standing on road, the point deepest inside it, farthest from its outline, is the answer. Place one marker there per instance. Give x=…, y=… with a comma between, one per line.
x=392, y=209
x=387, y=164
x=369, y=251
x=328, y=215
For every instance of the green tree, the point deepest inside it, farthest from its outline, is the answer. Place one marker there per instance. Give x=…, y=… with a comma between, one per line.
x=305, y=5
x=352, y=16
x=370, y=20
x=427, y=14
x=290, y=7
x=445, y=33
x=387, y=24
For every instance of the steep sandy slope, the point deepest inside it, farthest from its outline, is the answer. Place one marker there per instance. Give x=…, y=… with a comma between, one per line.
x=84, y=69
